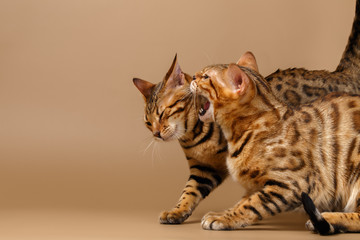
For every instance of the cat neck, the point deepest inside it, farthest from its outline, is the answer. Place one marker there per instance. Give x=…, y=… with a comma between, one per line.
x=192, y=123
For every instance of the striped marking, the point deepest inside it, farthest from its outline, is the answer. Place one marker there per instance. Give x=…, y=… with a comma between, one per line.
x=237, y=152
x=296, y=136
x=254, y=210
x=205, y=138
x=276, y=183
x=203, y=168
x=201, y=180
x=204, y=191
x=217, y=178
x=268, y=209
x=198, y=128
x=179, y=110
x=212, y=85
x=349, y=163
x=280, y=197
x=320, y=135
x=176, y=102
x=335, y=119
x=268, y=199
x=224, y=149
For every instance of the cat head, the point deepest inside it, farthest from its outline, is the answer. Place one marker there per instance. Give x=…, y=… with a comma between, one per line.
x=166, y=103
x=225, y=84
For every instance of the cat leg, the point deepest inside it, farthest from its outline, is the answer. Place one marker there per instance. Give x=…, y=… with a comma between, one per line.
x=203, y=179
x=328, y=223
x=275, y=198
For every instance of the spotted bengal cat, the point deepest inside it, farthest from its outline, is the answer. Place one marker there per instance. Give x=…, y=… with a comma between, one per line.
x=170, y=114
x=283, y=154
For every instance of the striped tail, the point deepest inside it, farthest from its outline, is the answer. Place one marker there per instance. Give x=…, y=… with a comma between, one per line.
x=350, y=61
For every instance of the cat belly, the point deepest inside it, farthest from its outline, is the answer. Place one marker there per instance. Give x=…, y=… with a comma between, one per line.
x=243, y=175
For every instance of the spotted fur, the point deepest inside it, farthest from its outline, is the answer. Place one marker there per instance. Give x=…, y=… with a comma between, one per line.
x=279, y=152
x=170, y=113
x=298, y=85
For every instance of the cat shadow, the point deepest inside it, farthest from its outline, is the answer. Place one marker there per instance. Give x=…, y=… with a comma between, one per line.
x=284, y=222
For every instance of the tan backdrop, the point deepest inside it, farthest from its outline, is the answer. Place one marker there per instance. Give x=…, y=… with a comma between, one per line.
x=71, y=130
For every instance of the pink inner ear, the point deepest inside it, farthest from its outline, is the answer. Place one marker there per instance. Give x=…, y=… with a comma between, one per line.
x=176, y=77
x=235, y=76
x=239, y=84
x=238, y=78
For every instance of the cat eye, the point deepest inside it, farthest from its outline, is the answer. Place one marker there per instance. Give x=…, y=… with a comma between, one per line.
x=194, y=78
x=205, y=76
x=148, y=123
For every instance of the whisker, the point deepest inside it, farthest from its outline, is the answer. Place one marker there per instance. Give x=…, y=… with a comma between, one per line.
x=149, y=145
x=155, y=153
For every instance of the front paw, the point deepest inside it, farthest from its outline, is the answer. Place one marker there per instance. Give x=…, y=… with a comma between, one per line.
x=173, y=217
x=216, y=221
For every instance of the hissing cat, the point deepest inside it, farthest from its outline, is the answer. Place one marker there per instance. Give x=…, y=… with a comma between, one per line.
x=171, y=114
x=278, y=152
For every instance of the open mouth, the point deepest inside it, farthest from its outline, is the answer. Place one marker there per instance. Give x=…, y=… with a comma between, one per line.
x=204, y=108
x=204, y=105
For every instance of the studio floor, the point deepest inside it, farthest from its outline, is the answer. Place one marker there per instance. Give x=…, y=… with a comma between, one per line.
x=74, y=224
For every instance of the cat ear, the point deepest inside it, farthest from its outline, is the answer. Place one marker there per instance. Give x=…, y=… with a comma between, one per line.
x=174, y=77
x=248, y=60
x=144, y=87
x=238, y=79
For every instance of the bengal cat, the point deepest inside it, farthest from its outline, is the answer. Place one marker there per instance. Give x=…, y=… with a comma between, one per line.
x=298, y=85
x=282, y=154
x=170, y=114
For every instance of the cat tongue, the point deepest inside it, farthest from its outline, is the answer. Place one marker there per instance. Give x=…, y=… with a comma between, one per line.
x=206, y=105
x=204, y=108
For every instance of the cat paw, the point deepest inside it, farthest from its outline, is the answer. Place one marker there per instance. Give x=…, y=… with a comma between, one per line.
x=216, y=221
x=173, y=217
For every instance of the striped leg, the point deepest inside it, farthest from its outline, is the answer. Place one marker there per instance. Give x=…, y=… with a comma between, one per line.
x=276, y=197
x=328, y=223
x=203, y=179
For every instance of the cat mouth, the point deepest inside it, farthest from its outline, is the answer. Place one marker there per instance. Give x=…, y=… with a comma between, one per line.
x=170, y=134
x=204, y=105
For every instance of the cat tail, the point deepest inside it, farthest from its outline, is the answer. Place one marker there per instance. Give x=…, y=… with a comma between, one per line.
x=318, y=223
x=350, y=61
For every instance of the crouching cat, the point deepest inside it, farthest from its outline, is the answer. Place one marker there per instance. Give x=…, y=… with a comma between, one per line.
x=283, y=155
x=170, y=113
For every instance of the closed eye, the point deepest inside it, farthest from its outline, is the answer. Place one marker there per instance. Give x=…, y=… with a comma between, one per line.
x=161, y=115
x=148, y=123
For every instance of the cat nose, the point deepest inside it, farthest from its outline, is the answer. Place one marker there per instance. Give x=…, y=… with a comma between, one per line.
x=157, y=134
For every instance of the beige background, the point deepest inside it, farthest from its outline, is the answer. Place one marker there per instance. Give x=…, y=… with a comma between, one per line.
x=74, y=162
